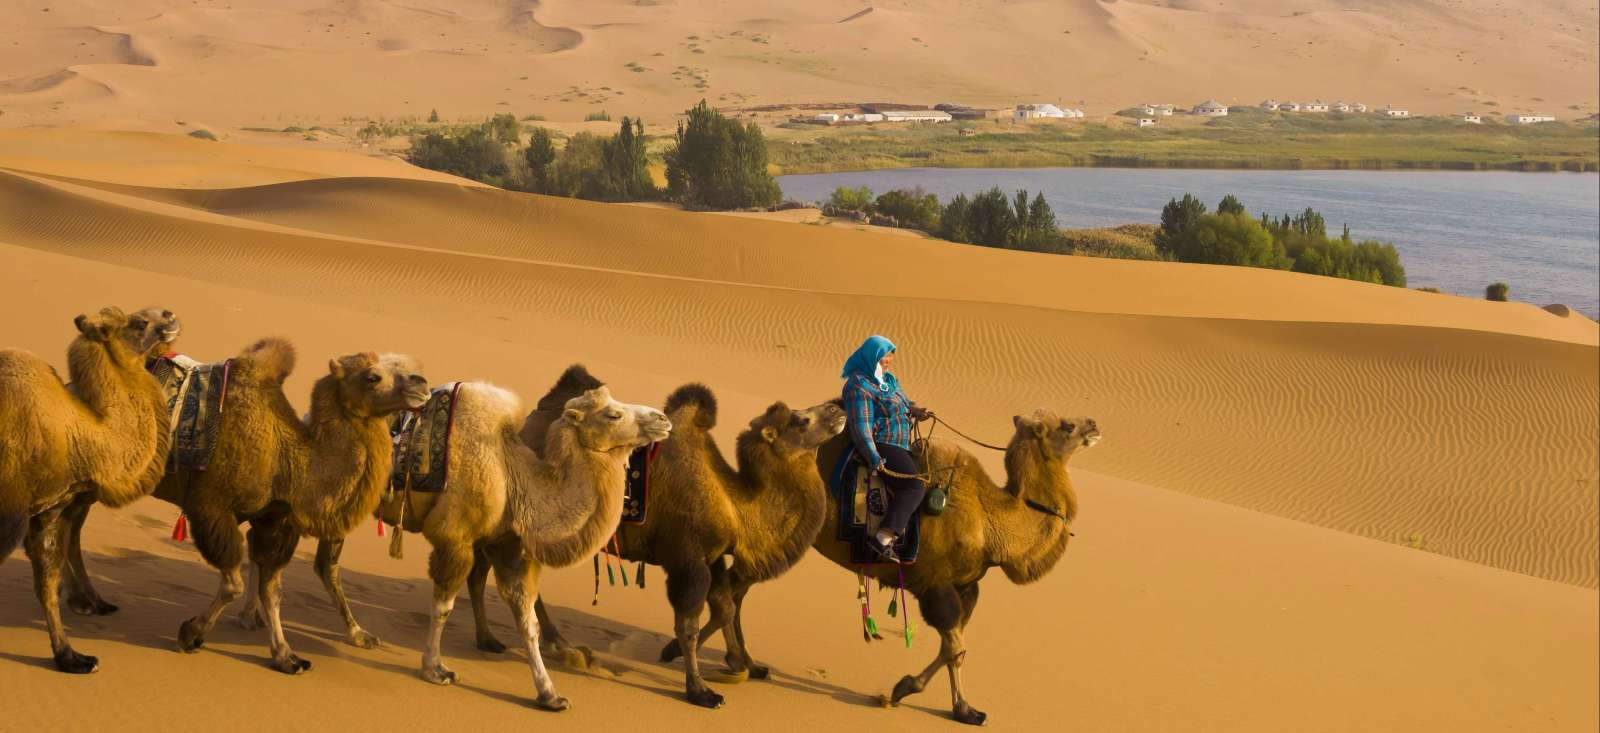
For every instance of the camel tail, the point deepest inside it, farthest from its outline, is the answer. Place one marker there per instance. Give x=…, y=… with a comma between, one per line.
x=573, y=382
x=692, y=404
x=270, y=360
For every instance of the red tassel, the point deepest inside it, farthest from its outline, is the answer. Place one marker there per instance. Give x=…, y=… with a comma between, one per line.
x=180, y=531
x=380, y=528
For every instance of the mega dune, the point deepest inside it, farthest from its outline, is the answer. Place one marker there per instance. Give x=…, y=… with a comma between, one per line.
x=1319, y=504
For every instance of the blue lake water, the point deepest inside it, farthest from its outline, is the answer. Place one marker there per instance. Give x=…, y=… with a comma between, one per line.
x=1456, y=231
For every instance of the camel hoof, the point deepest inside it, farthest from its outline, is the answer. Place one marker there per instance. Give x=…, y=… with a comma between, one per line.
x=671, y=651
x=439, y=675
x=729, y=676
x=85, y=606
x=759, y=671
x=291, y=664
x=705, y=698
x=907, y=686
x=362, y=639
x=250, y=619
x=491, y=645
x=72, y=662
x=970, y=716
x=190, y=639
x=555, y=704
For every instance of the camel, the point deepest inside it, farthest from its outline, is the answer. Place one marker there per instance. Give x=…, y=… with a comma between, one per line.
x=289, y=477
x=1021, y=527
x=162, y=329
x=522, y=511
x=105, y=438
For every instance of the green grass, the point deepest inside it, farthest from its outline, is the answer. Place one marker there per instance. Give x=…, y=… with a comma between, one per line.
x=203, y=135
x=1250, y=139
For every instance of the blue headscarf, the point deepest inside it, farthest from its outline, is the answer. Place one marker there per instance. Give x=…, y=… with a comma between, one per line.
x=865, y=363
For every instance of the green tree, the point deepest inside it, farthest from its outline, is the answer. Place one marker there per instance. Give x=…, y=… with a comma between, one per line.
x=913, y=208
x=1177, y=218
x=953, y=221
x=1230, y=239
x=717, y=163
x=852, y=199
x=627, y=164
x=990, y=218
x=472, y=154
x=433, y=116
x=579, y=169
x=505, y=129
x=1230, y=205
x=1497, y=292
x=539, y=155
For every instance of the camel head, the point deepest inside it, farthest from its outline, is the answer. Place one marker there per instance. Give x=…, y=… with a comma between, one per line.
x=110, y=329
x=1057, y=437
x=603, y=424
x=152, y=331
x=793, y=431
x=369, y=385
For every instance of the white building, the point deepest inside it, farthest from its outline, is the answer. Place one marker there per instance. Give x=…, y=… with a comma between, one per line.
x=1147, y=122
x=862, y=117
x=1211, y=108
x=1271, y=105
x=916, y=115
x=1470, y=118
x=1314, y=107
x=1158, y=110
x=1071, y=112
x=826, y=118
x=1395, y=112
x=1039, y=112
x=1289, y=107
x=1529, y=119
x=1357, y=107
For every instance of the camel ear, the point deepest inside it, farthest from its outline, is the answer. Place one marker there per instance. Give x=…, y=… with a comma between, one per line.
x=572, y=416
x=769, y=433
x=336, y=369
x=78, y=323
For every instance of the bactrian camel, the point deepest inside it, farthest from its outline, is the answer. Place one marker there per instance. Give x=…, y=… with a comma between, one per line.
x=523, y=511
x=106, y=438
x=289, y=477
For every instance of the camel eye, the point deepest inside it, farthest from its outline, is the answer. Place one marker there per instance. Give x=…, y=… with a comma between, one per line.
x=1068, y=427
x=374, y=378
x=613, y=416
x=137, y=324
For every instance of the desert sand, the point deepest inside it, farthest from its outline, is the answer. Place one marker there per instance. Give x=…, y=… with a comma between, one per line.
x=171, y=66
x=1320, y=505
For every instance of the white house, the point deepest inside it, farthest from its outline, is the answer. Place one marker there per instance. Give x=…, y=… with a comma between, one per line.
x=1147, y=122
x=1211, y=108
x=1470, y=118
x=1314, y=107
x=1039, y=111
x=826, y=118
x=862, y=117
x=1271, y=105
x=1529, y=119
x=916, y=115
x=1340, y=106
x=1289, y=107
x=1395, y=112
x=1158, y=110
x=1071, y=112
x=1357, y=107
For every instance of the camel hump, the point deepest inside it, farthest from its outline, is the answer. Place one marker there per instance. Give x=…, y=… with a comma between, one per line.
x=573, y=382
x=496, y=405
x=692, y=404
x=270, y=359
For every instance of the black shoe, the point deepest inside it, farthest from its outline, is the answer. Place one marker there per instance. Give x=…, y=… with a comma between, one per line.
x=884, y=552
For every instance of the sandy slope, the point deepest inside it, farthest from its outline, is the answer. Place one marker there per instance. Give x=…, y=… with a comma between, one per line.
x=1465, y=428
x=247, y=62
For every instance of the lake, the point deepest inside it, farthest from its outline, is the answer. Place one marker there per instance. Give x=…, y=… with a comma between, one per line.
x=1456, y=231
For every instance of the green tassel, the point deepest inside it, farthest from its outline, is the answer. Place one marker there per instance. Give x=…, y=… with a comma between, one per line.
x=892, y=606
x=611, y=578
x=622, y=570
x=911, y=630
x=872, y=628
x=641, y=576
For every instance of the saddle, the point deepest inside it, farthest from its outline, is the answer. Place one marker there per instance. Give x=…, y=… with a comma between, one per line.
x=863, y=498
x=636, y=492
x=422, y=443
x=196, y=395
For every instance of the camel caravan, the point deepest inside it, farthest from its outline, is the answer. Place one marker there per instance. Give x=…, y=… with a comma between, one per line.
x=582, y=476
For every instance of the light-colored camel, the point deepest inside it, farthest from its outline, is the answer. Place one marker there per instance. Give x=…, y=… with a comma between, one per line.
x=106, y=437
x=161, y=329
x=764, y=514
x=286, y=476
x=1021, y=527
x=521, y=511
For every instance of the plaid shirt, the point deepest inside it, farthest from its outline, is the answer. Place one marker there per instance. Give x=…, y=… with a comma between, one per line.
x=876, y=416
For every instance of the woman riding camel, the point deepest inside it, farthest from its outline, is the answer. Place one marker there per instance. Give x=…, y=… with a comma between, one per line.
x=880, y=417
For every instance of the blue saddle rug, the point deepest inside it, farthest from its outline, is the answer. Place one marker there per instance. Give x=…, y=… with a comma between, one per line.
x=862, y=501
x=422, y=443
x=636, y=492
x=196, y=395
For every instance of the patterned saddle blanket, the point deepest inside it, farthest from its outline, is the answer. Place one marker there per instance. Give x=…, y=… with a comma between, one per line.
x=422, y=442
x=196, y=396
x=636, y=493
x=863, y=499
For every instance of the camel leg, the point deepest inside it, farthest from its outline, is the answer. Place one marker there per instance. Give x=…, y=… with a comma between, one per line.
x=477, y=580
x=13, y=527
x=517, y=577
x=251, y=617
x=957, y=655
x=944, y=608
x=272, y=542
x=741, y=588
x=687, y=587
x=553, y=643
x=327, y=567
x=217, y=537
x=448, y=567
x=46, y=547
x=81, y=596
x=720, y=601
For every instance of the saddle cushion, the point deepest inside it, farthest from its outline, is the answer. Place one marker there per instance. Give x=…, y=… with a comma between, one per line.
x=196, y=396
x=422, y=443
x=863, y=499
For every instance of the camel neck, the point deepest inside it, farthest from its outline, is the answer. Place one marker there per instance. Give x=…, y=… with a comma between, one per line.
x=346, y=463
x=126, y=434
x=782, y=503
x=566, y=505
x=1027, y=541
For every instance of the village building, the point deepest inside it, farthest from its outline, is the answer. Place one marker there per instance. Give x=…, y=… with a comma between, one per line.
x=1357, y=107
x=1395, y=112
x=1289, y=107
x=862, y=117
x=1211, y=108
x=1271, y=105
x=916, y=115
x=1470, y=118
x=1039, y=112
x=1314, y=107
x=826, y=118
x=1147, y=122
x=1070, y=112
x=1529, y=119
x=1156, y=110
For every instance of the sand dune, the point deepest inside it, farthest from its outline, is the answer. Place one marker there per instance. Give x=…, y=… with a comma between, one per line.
x=1376, y=509
x=149, y=62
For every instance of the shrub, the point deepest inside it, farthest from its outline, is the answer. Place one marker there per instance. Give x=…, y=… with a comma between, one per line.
x=473, y=154
x=715, y=162
x=1427, y=290
x=1126, y=242
x=600, y=116
x=1228, y=239
x=203, y=135
x=505, y=129
x=913, y=208
x=1497, y=292
x=854, y=199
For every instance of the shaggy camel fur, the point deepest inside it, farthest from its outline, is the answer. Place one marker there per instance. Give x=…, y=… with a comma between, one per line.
x=106, y=438
x=764, y=514
x=1021, y=528
x=522, y=511
x=288, y=477
x=161, y=329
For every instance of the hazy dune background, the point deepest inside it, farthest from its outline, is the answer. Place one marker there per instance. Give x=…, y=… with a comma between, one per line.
x=1320, y=505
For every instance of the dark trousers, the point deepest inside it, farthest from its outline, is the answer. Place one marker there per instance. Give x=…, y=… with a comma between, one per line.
x=905, y=494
